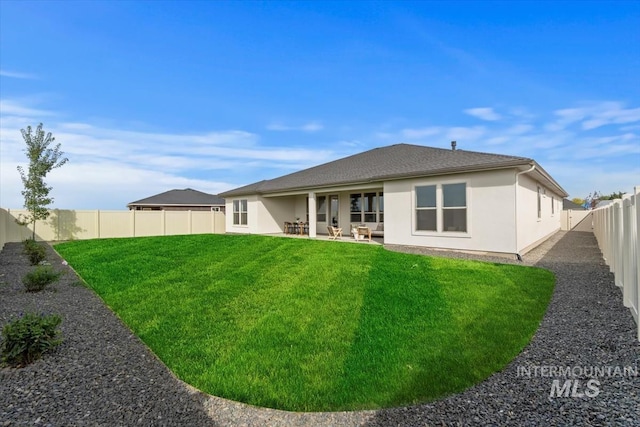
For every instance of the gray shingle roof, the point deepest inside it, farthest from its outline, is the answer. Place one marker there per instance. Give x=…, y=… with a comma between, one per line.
x=568, y=204
x=187, y=197
x=384, y=163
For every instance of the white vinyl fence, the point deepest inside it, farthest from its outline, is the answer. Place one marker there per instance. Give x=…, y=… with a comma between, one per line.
x=92, y=224
x=616, y=227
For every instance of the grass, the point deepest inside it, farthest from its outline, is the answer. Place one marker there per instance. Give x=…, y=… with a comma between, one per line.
x=309, y=325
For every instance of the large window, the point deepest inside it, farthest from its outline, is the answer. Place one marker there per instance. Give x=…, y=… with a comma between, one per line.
x=240, y=212
x=454, y=207
x=366, y=207
x=321, y=215
x=426, y=208
x=441, y=208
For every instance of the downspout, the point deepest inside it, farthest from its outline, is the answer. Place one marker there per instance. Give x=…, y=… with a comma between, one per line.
x=533, y=166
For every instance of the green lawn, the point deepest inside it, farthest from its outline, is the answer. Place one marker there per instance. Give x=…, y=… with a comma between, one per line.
x=309, y=325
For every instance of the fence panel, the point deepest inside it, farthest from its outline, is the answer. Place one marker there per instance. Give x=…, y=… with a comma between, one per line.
x=149, y=223
x=617, y=227
x=178, y=222
x=64, y=224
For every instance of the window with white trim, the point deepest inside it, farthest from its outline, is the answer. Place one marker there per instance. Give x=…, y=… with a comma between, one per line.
x=553, y=205
x=366, y=207
x=240, y=212
x=370, y=207
x=454, y=207
x=426, y=208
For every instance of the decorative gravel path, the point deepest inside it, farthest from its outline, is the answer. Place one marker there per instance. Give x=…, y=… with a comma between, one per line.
x=102, y=375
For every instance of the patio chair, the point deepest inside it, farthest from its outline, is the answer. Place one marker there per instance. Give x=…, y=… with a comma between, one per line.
x=287, y=227
x=365, y=232
x=334, y=232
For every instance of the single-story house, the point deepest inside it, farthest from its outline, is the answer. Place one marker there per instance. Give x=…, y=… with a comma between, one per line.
x=414, y=195
x=180, y=200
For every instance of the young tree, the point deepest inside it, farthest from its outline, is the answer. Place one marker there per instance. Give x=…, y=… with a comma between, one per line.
x=42, y=160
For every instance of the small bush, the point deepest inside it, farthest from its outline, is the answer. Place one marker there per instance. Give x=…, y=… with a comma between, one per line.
x=35, y=251
x=40, y=278
x=24, y=340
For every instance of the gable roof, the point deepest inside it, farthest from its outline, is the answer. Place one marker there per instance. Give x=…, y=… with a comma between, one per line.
x=387, y=163
x=187, y=197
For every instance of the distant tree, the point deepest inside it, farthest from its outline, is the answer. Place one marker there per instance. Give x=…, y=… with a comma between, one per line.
x=578, y=201
x=612, y=196
x=42, y=160
x=593, y=198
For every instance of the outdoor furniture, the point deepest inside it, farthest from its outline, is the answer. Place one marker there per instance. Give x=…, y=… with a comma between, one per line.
x=295, y=228
x=334, y=232
x=378, y=231
x=364, y=232
x=288, y=227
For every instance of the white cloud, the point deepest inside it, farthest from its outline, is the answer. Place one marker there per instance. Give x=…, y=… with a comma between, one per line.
x=13, y=108
x=483, y=113
x=313, y=126
x=594, y=115
x=109, y=167
x=17, y=75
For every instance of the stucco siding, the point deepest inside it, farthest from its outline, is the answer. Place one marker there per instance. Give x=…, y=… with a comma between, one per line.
x=531, y=228
x=490, y=213
x=274, y=211
x=265, y=215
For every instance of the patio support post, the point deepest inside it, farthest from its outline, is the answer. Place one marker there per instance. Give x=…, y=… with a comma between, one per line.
x=312, y=215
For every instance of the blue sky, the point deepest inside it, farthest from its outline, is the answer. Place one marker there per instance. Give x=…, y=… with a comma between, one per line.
x=149, y=96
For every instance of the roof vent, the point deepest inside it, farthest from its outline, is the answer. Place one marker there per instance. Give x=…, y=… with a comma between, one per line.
x=453, y=145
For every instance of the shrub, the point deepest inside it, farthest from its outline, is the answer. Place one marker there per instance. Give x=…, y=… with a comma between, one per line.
x=24, y=340
x=35, y=251
x=40, y=278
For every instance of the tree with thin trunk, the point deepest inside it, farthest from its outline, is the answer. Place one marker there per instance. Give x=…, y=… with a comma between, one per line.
x=42, y=160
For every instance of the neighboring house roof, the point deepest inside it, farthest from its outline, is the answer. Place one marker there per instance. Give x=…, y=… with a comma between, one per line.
x=568, y=204
x=389, y=163
x=187, y=197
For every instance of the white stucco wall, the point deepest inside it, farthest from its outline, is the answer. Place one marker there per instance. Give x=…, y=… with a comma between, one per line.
x=531, y=229
x=264, y=215
x=490, y=213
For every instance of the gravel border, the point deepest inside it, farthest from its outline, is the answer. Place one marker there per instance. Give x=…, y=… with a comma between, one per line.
x=103, y=375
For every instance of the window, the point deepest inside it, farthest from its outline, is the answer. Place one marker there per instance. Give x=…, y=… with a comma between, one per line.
x=321, y=214
x=240, y=212
x=553, y=205
x=539, y=202
x=366, y=207
x=426, y=208
x=355, y=202
x=369, y=207
x=454, y=207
